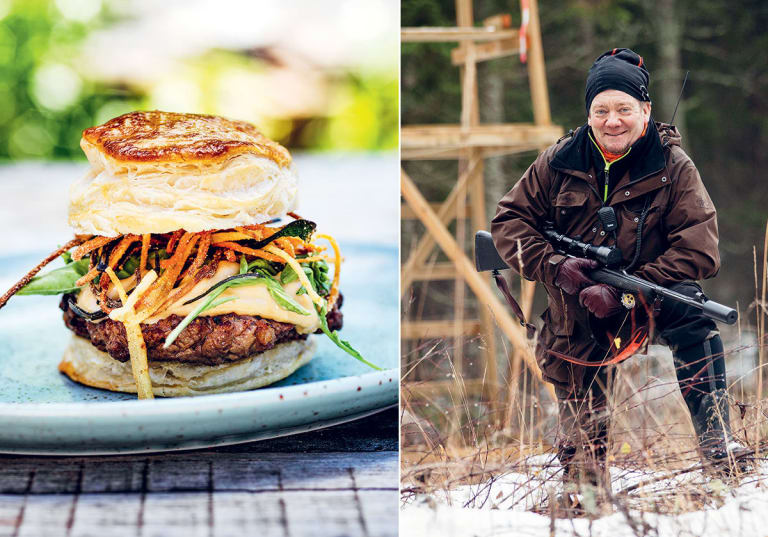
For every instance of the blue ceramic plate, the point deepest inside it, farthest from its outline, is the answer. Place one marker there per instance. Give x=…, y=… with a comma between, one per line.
x=43, y=412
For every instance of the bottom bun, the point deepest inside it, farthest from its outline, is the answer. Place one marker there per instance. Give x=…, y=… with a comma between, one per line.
x=84, y=363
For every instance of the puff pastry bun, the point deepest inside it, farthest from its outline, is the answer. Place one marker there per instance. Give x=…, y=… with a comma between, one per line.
x=156, y=172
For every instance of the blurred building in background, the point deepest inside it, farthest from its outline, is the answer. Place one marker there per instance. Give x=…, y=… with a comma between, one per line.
x=313, y=75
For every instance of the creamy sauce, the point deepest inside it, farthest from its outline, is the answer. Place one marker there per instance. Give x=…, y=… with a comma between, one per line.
x=250, y=300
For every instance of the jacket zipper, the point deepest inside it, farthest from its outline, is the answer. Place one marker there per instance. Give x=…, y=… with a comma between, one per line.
x=607, y=170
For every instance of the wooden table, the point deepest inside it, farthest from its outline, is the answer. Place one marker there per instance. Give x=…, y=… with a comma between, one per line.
x=334, y=482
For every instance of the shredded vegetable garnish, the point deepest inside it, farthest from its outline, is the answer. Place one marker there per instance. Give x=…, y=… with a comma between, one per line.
x=137, y=348
x=127, y=309
x=229, y=236
x=245, y=250
x=86, y=248
x=151, y=302
x=145, y=242
x=268, y=256
x=342, y=344
x=118, y=285
x=88, y=277
x=31, y=274
x=120, y=249
x=336, y=269
x=317, y=299
x=175, y=237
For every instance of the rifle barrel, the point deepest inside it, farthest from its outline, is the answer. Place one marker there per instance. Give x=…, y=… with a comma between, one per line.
x=627, y=282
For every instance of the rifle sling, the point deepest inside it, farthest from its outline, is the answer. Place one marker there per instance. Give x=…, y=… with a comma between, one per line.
x=637, y=339
x=501, y=283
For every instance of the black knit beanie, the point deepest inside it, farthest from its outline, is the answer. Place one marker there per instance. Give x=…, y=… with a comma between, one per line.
x=620, y=69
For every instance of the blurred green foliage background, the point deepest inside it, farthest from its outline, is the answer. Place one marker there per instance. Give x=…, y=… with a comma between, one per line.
x=48, y=97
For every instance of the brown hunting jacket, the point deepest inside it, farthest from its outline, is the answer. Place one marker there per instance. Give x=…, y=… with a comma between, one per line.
x=679, y=233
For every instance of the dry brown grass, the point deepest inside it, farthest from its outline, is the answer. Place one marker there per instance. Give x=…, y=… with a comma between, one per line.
x=452, y=438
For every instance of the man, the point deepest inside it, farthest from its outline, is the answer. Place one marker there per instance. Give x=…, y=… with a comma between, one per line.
x=667, y=232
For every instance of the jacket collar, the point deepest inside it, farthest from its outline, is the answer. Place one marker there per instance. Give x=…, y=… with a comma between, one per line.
x=576, y=155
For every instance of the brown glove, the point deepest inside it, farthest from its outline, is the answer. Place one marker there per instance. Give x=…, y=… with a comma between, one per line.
x=601, y=299
x=571, y=274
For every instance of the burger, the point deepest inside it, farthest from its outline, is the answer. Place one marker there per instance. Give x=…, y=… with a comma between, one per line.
x=189, y=273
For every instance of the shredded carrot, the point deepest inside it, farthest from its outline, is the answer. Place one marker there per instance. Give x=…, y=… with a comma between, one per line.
x=120, y=249
x=145, y=241
x=230, y=256
x=336, y=269
x=202, y=251
x=252, y=232
x=248, y=251
x=175, y=236
x=85, y=248
x=192, y=275
x=255, y=227
x=286, y=245
x=150, y=301
x=311, y=259
x=103, y=288
x=230, y=236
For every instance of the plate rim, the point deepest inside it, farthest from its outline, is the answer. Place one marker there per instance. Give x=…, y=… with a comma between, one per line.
x=228, y=401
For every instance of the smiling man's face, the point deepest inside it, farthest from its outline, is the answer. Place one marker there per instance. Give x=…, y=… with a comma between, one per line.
x=617, y=119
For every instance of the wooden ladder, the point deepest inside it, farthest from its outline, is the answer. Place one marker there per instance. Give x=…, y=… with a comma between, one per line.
x=470, y=143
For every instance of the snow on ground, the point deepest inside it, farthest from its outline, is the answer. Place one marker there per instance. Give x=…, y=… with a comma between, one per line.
x=501, y=507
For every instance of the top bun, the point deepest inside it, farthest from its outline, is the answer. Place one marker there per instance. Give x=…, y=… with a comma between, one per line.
x=156, y=172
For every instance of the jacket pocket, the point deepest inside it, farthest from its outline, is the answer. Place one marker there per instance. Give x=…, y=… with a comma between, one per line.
x=569, y=205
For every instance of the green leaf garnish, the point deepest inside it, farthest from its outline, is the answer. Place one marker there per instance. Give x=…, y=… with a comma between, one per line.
x=298, y=228
x=132, y=263
x=57, y=281
x=243, y=265
x=268, y=267
x=334, y=336
x=317, y=274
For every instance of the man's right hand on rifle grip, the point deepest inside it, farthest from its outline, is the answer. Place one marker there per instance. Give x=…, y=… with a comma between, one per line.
x=572, y=274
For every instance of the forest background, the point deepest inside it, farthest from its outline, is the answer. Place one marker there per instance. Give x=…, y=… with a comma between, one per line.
x=723, y=113
x=723, y=118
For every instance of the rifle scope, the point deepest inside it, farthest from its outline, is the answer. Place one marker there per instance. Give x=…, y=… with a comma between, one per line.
x=610, y=256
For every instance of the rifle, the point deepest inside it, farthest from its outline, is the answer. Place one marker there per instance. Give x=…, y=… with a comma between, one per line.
x=488, y=258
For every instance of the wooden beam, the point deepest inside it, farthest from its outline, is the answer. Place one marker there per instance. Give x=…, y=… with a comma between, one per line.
x=406, y=213
x=435, y=34
x=537, y=73
x=490, y=50
x=436, y=329
x=452, y=137
x=436, y=271
x=420, y=253
x=482, y=290
x=457, y=153
x=469, y=106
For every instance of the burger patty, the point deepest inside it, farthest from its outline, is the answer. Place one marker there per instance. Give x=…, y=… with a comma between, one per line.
x=211, y=340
